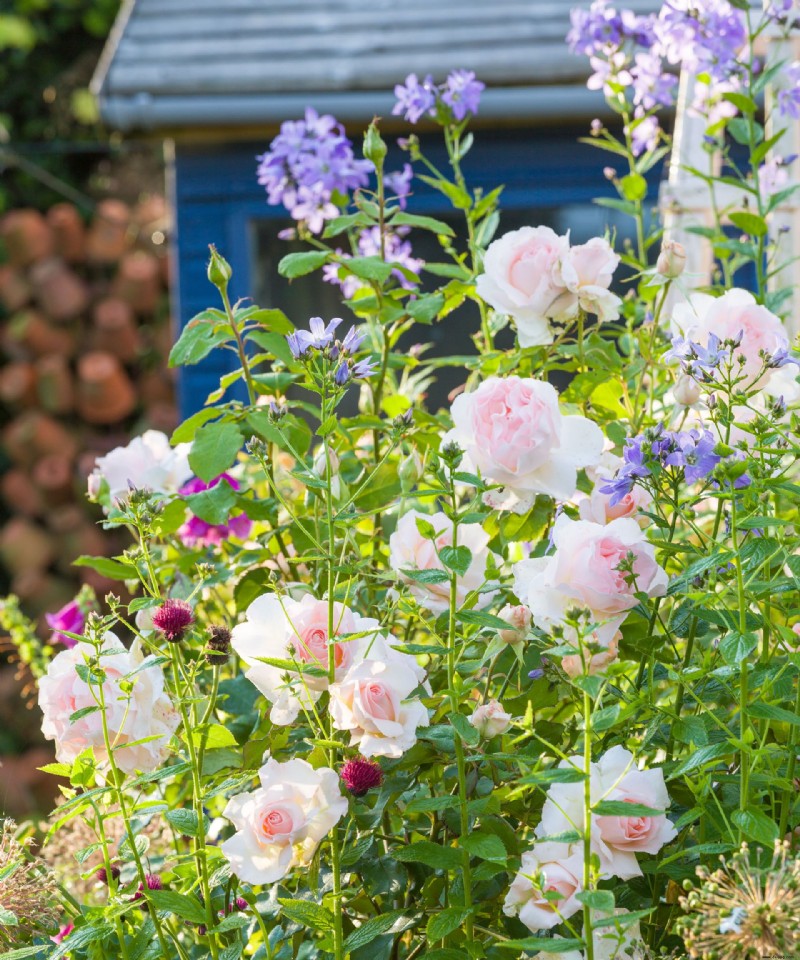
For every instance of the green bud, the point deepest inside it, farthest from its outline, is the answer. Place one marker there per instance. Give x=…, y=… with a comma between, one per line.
x=219, y=270
x=375, y=148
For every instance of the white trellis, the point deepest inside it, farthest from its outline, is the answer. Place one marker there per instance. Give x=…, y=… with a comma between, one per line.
x=685, y=199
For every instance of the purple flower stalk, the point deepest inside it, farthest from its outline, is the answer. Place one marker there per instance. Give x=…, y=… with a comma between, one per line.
x=462, y=93
x=415, y=99
x=789, y=94
x=301, y=342
x=310, y=167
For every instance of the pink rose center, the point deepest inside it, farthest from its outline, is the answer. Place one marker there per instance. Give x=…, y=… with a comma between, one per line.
x=312, y=646
x=530, y=266
x=276, y=822
x=377, y=700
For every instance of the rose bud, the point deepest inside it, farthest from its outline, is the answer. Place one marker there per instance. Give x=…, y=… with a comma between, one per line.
x=518, y=619
x=672, y=260
x=490, y=719
x=686, y=391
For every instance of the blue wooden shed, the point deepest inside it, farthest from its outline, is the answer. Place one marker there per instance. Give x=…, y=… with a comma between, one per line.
x=215, y=78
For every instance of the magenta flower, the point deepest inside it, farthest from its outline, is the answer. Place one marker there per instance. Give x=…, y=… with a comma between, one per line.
x=361, y=775
x=173, y=618
x=69, y=619
x=199, y=533
x=63, y=933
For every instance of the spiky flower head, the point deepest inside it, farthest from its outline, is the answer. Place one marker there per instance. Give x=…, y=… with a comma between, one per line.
x=28, y=892
x=747, y=909
x=361, y=775
x=217, y=645
x=173, y=618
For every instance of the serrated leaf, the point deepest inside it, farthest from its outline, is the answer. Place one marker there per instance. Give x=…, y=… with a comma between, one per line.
x=464, y=728
x=214, y=449
x=767, y=711
x=621, y=808
x=445, y=922
x=202, y=334
x=308, y=914
x=424, y=223
x=602, y=900
x=299, y=264
x=187, y=908
x=185, y=821
x=756, y=826
x=749, y=223
x=700, y=758
x=542, y=944
x=485, y=846
x=426, y=576
x=83, y=712
x=393, y=922
x=431, y=804
x=430, y=854
x=457, y=559
x=113, y=569
x=736, y=647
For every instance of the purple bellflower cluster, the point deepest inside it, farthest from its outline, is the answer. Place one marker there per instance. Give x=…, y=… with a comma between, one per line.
x=396, y=250
x=459, y=95
x=693, y=451
x=320, y=339
x=310, y=169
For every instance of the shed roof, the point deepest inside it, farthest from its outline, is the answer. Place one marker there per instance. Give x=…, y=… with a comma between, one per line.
x=182, y=63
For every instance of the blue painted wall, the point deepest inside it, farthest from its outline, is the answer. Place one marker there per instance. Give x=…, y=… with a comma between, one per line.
x=217, y=200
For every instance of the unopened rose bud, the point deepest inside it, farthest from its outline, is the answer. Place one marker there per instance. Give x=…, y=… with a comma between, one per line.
x=672, y=260
x=375, y=148
x=490, y=720
x=518, y=619
x=219, y=270
x=687, y=391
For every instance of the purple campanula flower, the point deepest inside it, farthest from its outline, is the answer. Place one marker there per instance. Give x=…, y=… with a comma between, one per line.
x=396, y=250
x=595, y=29
x=652, y=87
x=353, y=340
x=536, y=674
x=643, y=131
x=462, y=93
x=342, y=375
x=619, y=488
x=782, y=357
x=317, y=337
x=364, y=368
x=703, y=37
x=310, y=162
x=789, y=94
x=398, y=184
x=694, y=451
x=415, y=99
x=773, y=175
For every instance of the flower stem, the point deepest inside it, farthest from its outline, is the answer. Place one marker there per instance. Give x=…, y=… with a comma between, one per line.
x=588, y=935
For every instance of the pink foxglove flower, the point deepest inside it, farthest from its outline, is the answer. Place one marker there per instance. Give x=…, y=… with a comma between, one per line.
x=134, y=714
x=69, y=619
x=280, y=824
x=513, y=432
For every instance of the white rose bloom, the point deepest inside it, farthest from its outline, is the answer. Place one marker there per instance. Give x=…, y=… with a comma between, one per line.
x=370, y=702
x=297, y=630
x=547, y=868
x=145, y=712
x=147, y=461
x=280, y=824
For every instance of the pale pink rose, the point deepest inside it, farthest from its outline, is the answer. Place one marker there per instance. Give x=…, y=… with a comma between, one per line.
x=371, y=701
x=615, y=839
x=490, y=719
x=518, y=619
x=585, y=571
x=547, y=868
x=144, y=711
x=409, y=550
x=588, y=270
x=625, y=836
x=281, y=628
x=593, y=662
x=512, y=431
x=597, y=506
x=280, y=824
x=609, y=944
x=147, y=461
x=522, y=278
x=737, y=312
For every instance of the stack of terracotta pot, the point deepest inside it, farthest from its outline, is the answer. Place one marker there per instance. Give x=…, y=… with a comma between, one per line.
x=85, y=336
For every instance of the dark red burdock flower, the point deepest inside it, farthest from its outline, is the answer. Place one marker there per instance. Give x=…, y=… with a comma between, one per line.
x=153, y=883
x=361, y=775
x=173, y=618
x=102, y=873
x=218, y=644
x=238, y=904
